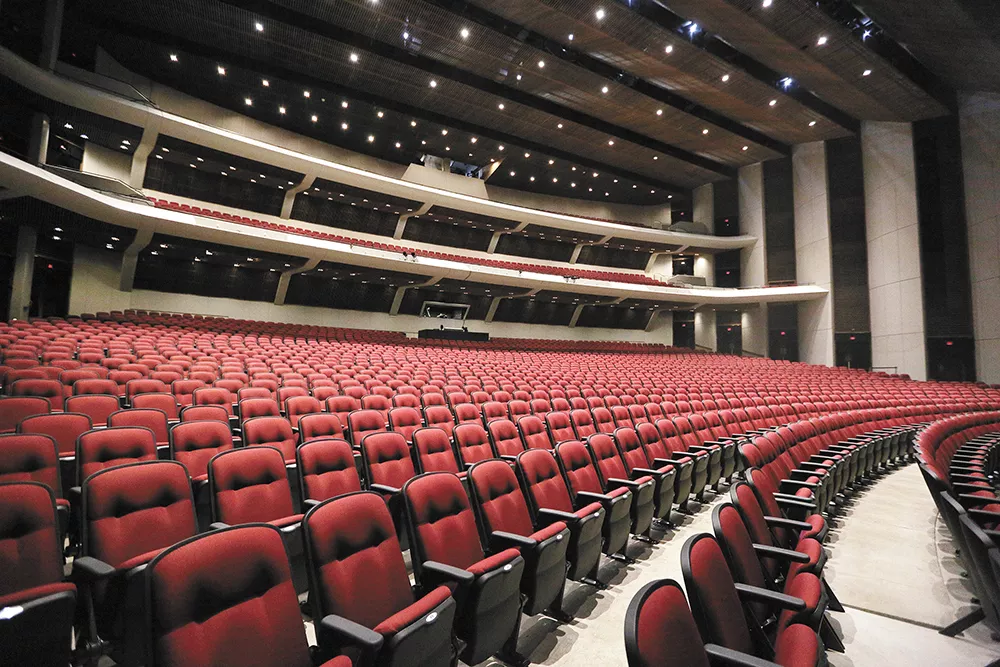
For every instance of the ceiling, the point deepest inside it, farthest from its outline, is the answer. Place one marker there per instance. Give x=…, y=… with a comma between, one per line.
x=656, y=97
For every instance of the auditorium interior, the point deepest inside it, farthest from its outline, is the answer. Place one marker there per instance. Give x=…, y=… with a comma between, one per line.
x=426, y=333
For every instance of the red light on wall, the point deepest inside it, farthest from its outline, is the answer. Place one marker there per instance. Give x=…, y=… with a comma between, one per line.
x=853, y=338
x=782, y=333
x=949, y=343
x=50, y=266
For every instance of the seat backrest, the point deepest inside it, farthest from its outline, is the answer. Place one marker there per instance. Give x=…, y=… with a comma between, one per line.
x=543, y=481
x=356, y=567
x=30, y=551
x=630, y=448
x=30, y=458
x=492, y=411
x=151, y=418
x=621, y=416
x=249, y=484
x=214, y=396
x=433, y=451
x=607, y=459
x=506, y=439
x=578, y=467
x=164, y=401
x=362, y=422
x=194, y=602
x=270, y=432
x=258, y=407
x=326, y=469
x=499, y=501
x=387, y=460
x=50, y=390
x=440, y=416
x=533, y=432
x=15, y=408
x=603, y=421
x=441, y=522
x=583, y=424
x=320, y=425
x=660, y=630
x=204, y=413
x=342, y=406
x=712, y=593
x=467, y=413
x=105, y=448
x=144, y=386
x=472, y=444
x=64, y=427
x=134, y=509
x=517, y=409
x=405, y=421
x=737, y=547
x=195, y=443
x=559, y=426
x=406, y=401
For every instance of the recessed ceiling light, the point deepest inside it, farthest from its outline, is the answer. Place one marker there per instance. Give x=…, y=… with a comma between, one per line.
x=527, y=155
x=572, y=185
x=399, y=145
x=473, y=140
x=867, y=72
x=444, y=132
x=746, y=148
x=159, y=157
x=500, y=147
x=725, y=78
x=223, y=173
x=413, y=123
x=163, y=148
x=221, y=70
x=541, y=63
x=518, y=77
x=232, y=168
x=560, y=126
x=200, y=159
x=604, y=90
x=247, y=101
x=433, y=83
x=84, y=136
x=767, y=3
x=464, y=33
x=822, y=41
x=512, y=173
x=381, y=114
x=551, y=162
x=600, y=14
x=343, y=104
x=306, y=93
x=259, y=26
x=57, y=238
x=532, y=179
x=772, y=103
x=173, y=57
x=611, y=142
x=406, y=35
x=656, y=157
x=423, y=142
x=705, y=131
x=571, y=37
x=344, y=126
x=594, y=174
x=812, y=123
x=354, y=57
x=669, y=48
x=555, y=180
x=314, y=118
x=659, y=112
x=371, y=138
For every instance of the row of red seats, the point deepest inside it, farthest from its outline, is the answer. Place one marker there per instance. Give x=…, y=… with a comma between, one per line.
x=565, y=271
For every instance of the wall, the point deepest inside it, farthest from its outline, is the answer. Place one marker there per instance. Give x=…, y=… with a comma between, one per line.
x=980, y=124
x=892, y=230
x=95, y=288
x=705, y=332
x=813, y=260
x=753, y=260
x=106, y=162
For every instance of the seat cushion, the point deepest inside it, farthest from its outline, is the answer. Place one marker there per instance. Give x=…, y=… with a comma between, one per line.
x=286, y=521
x=808, y=588
x=814, y=550
x=413, y=613
x=797, y=646
x=340, y=661
x=493, y=562
x=28, y=594
x=818, y=530
x=141, y=559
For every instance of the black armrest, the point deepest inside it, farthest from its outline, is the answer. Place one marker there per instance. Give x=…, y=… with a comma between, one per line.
x=809, y=466
x=384, y=489
x=618, y=482
x=655, y=474
x=984, y=515
x=310, y=503
x=794, y=502
x=509, y=458
x=218, y=525
x=977, y=500
x=500, y=540
x=699, y=448
x=782, y=522
x=772, y=597
x=720, y=656
x=87, y=570
x=596, y=497
x=335, y=632
x=781, y=554
x=805, y=473
x=547, y=517
x=434, y=574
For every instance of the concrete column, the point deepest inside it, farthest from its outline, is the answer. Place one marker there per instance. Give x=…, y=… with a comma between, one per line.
x=51, y=34
x=894, y=276
x=286, y=278
x=137, y=169
x=703, y=206
x=753, y=260
x=130, y=259
x=704, y=329
x=704, y=267
x=813, y=255
x=38, y=142
x=24, y=270
x=286, y=206
x=979, y=115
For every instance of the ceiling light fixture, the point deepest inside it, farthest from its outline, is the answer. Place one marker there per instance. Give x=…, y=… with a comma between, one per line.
x=344, y=126
x=600, y=14
x=306, y=93
x=812, y=123
x=248, y=101
x=265, y=83
x=767, y=3
x=746, y=148
x=464, y=33
x=822, y=40
x=399, y=145
x=725, y=78
x=604, y=90
x=500, y=147
x=433, y=83
x=371, y=138
x=173, y=57
x=84, y=136
x=772, y=103
x=259, y=26
x=571, y=37
x=314, y=118
x=541, y=63
x=444, y=132
x=669, y=48
x=354, y=57
x=512, y=173
x=221, y=70
x=551, y=162
x=413, y=123
x=611, y=142
x=343, y=104
x=527, y=155
x=705, y=131
x=867, y=72
x=473, y=140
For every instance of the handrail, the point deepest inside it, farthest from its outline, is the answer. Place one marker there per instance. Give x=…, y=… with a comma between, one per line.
x=894, y=370
x=97, y=182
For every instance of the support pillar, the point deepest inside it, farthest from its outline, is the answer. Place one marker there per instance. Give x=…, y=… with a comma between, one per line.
x=401, y=223
x=286, y=277
x=892, y=229
x=704, y=329
x=492, y=311
x=130, y=258
x=753, y=260
x=51, y=33
x=38, y=142
x=397, y=299
x=147, y=143
x=24, y=270
x=813, y=252
x=704, y=212
x=286, y=206
x=576, y=314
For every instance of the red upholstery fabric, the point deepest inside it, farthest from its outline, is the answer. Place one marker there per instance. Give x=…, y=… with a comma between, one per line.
x=97, y=450
x=30, y=554
x=136, y=509
x=472, y=443
x=499, y=497
x=665, y=632
x=151, y=418
x=405, y=421
x=444, y=522
x=14, y=409
x=533, y=433
x=226, y=598
x=560, y=427
x=433, y=450
x=387, y=458
x=30, y=458
x=543, y=480
x=250, y=484
x=28, y=594
x=577, y=465
x=440, y=416
x=712, y=590
x=195, y=443
x=797, y=646
x=270, y=432
x=327, y=469
x=364, y=422
x=96, y=406
x=323, y=425
x=63, y=427
x=505, y=437
x=165, y=402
